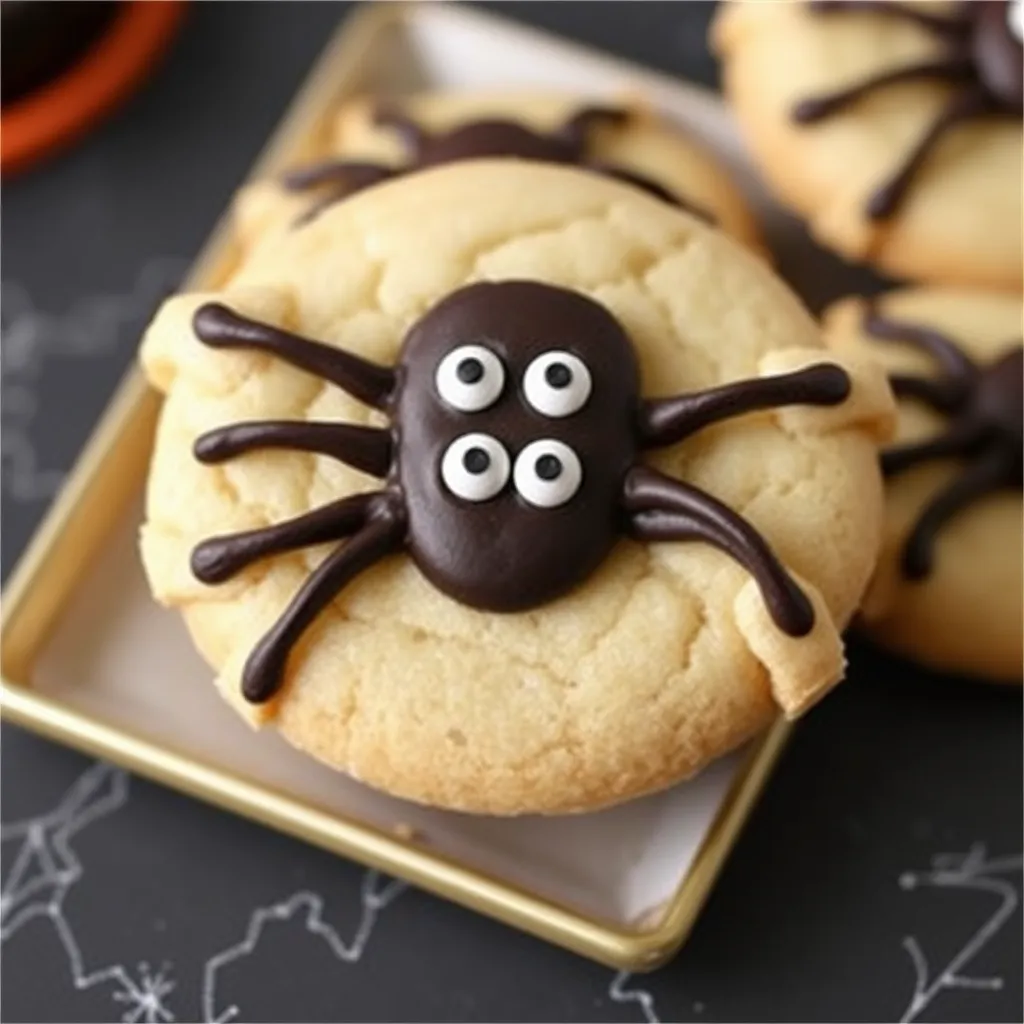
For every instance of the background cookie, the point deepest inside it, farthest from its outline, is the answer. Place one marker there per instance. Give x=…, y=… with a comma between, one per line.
x=666, y=656
x=959, y=218
x=965, y=613
x=642, y=145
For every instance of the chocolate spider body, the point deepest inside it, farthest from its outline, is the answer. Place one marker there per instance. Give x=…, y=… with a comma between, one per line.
x=512, y=464
x=471, y=141
x=981, y=55
x=985, y=405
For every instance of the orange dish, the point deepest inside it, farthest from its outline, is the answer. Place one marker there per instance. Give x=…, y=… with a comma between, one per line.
x=59, y=112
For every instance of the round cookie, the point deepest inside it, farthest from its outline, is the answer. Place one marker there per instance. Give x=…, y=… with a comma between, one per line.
x=372, y=140
x=626, y=661
x=947, y=591
x=893, y=129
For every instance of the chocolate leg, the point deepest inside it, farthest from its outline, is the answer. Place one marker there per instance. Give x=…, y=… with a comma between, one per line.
x=264, y=670
x=886, y=200
x=955, y=441
x=942, y=349
x=576, y=129
x=668, y=420
x=663, y=509
x=346, y=177
x=219, y=327
x=350, y=174
x=414, y=137
x=816, y=108
x=367, y=449
x=987, y=473
x=941, y=395
x=219, y=558
x=648, y=185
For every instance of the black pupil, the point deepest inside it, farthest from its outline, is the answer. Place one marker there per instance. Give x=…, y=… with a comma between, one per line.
x=549, y=467
x=558, y=375
x=476, y=461
x=470, y=370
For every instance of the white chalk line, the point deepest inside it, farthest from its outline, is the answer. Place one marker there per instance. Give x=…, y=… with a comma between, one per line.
x=619, y=993
x=46, y=868
x=971, y=871
x=376, y=893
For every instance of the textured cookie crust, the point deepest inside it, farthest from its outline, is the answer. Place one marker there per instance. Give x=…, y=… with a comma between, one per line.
x=967, y=615
x=961, y=222
x=666, y=657
x=645, y=145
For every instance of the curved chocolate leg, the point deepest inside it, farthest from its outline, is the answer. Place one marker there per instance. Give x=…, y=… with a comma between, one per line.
x=264, y=670
x=987, y=473
x=955, y=441
x=219, y=558
x=351, y=174
x=668, y=420
x=576, y=130
x=219, y=327
x=815, y=108
x=414, y=136
x=346, y=177
x=885, y=200
x=941, y=348
x=662, y=509
x=367, y=449
x=648, y=185
x=941, y=395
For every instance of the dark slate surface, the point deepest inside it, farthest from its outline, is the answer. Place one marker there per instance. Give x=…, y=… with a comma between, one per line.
x=891, y=833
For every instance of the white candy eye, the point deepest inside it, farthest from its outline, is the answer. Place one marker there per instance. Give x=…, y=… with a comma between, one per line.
x=557, y=384
x=1015, y=19
x=547, y=473
x=470, y=378
x=475, y=467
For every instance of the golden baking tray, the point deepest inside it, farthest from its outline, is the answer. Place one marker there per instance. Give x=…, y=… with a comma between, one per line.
x=63, y=641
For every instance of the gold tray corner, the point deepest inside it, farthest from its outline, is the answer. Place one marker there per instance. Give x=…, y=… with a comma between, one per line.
x=107, y=476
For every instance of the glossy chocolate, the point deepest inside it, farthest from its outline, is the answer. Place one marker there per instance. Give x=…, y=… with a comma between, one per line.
x=512, y=464
x=338, y=179
x=504, y=554
x=985, y=406
x=977, y=52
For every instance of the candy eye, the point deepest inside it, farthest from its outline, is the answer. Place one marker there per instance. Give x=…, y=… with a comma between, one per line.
x=475, y=467
x=1015, y=19
x=470, y=378
x=557, y=384
x=547, y=473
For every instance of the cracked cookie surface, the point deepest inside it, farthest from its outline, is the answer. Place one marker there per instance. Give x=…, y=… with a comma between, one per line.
x=665, y=658
x=965, y=614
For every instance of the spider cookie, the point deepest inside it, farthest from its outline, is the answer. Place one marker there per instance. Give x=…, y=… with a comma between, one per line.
x=511, y=506
x=374, y=141
x=947, y=591
x=893, y=128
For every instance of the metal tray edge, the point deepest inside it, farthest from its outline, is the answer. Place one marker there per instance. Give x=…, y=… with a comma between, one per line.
x=107, y=473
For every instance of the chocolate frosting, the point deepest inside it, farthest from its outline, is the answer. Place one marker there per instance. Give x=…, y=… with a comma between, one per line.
x=977, y=53
x=511, y=466
x=985, y=406
x=476, y=140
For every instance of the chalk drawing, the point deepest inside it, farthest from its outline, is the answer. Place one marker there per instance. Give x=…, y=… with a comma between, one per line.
x=971, y=871
x=619, y=993
x=43, y=871
x=31, y=338
x=376, y=893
